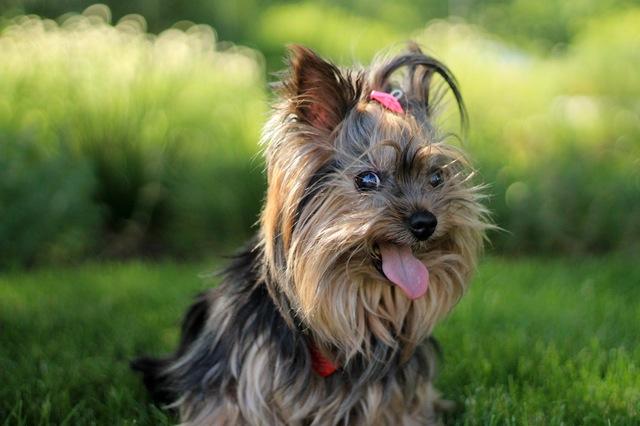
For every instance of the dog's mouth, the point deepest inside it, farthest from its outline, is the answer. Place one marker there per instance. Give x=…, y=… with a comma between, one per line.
x=397, y=264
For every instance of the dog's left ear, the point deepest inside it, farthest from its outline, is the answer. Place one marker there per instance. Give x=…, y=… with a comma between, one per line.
x=319, y=93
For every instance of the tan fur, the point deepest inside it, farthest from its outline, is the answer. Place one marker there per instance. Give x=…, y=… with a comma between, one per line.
x=328, y=271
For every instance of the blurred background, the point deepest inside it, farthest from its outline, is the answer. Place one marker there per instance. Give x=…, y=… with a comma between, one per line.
x=130, y=129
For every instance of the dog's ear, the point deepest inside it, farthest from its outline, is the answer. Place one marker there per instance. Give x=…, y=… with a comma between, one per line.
x=319, y=93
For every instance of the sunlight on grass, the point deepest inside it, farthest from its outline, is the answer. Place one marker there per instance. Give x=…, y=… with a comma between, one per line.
x=534, y=341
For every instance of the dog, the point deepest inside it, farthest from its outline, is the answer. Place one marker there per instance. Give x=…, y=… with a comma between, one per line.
x=370, y=232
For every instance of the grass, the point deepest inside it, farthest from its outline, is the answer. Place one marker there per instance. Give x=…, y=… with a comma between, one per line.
x=536, y=341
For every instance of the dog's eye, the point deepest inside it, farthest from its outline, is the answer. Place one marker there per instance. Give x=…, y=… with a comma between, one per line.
x=436, y=178
x=367, y=181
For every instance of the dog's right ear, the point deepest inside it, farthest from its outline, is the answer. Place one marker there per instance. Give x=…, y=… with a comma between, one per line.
x=319, y=94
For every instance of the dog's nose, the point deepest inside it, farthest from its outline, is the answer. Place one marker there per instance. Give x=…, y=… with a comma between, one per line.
x=422, y=224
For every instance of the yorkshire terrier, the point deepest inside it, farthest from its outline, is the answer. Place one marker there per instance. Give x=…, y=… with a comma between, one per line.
x=369, y=234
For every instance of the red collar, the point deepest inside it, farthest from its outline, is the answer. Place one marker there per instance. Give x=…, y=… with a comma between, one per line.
x=320, y=363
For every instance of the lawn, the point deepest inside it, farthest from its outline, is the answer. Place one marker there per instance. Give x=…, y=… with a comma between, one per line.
x=542, y=341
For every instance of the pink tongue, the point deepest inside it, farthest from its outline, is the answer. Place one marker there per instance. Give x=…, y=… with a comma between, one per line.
x=404, y=270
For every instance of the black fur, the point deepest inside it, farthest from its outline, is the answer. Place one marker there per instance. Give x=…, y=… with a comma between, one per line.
x=254, y=312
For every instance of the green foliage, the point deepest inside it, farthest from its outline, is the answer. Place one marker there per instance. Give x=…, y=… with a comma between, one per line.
x=338, y=34
x=160, y=131
x=532, y=24
x=546, y=342
x=533, y=342
x=555, y=137
x=69, y=335
x=45, y=199
x=153, y=121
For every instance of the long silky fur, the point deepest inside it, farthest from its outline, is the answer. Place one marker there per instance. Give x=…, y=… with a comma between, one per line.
x=309, y=277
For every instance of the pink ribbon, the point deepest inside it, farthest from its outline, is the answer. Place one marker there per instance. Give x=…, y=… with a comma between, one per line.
x=387, y=100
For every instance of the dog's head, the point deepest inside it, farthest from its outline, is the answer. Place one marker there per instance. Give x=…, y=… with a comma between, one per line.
x=372, y=225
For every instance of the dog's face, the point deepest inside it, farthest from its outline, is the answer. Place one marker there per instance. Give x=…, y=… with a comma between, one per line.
x=371, y=226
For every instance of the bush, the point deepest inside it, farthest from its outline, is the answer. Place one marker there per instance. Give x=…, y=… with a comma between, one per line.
x=149, y=116
x=153, y=139
x=45, y=199
x=557, y=137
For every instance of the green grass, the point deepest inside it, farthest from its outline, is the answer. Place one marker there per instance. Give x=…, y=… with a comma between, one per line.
x=534, y=342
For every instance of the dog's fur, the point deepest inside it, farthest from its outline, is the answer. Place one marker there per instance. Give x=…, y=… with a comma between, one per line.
x=311, y=278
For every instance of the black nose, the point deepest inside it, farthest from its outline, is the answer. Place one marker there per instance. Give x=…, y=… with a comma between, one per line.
x=422, y=224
